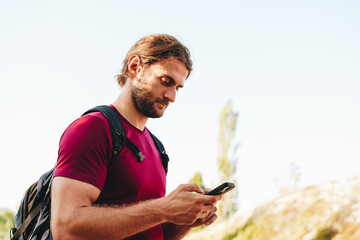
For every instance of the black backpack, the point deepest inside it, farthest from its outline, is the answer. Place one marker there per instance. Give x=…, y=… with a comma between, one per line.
x=32, y=221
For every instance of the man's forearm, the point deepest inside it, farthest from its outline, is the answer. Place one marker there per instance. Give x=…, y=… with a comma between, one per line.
x=73, y=215
x=93, y=222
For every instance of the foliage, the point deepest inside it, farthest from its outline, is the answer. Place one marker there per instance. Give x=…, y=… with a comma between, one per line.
x=7, y=221
x=226, y=165
x=325, y=234
x=231, y=236
x=197, y=178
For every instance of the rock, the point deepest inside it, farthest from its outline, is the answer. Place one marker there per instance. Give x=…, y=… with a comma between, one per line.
x=324, y=212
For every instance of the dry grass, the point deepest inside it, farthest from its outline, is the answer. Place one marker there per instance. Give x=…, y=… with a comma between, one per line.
x=327, y=212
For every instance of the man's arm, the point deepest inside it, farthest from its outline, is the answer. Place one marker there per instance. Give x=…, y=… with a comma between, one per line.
x=73, y=215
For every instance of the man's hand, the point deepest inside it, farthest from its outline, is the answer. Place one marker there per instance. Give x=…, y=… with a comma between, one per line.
x=176, y=230
x=210, y=218
x=188, y=205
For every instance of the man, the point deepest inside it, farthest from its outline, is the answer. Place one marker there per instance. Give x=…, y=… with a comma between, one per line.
x=126, y=199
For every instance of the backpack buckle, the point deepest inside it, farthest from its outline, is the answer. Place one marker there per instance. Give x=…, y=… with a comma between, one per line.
x=140, y=156
x=12, y=232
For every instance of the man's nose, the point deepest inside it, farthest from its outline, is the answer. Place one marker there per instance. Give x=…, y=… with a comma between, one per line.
x=170, y=94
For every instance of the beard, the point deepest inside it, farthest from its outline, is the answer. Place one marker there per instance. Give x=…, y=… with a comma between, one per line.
x=144, y=103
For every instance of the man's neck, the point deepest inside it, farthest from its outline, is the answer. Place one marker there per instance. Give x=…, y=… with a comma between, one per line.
x=126, y=108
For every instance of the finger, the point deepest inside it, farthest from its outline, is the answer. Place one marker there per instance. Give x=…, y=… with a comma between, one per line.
x=214, y=209
x=218, y=197
x=198, y=222
x=209, y=200
x=207, y=220
x=211, y=213
x=211, y=220
x=193, y=187
x=206, y=190
x=209, y=207
x=203, y=216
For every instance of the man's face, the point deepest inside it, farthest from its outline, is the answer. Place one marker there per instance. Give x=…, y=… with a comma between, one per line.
x=156, y=86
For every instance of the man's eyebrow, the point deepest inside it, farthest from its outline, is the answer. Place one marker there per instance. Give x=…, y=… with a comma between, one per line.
x=172, y=80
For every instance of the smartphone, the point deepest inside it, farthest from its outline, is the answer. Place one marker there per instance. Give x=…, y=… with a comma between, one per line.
x=223, y=188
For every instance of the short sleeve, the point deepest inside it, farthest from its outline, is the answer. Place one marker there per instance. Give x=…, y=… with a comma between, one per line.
x=84, y=150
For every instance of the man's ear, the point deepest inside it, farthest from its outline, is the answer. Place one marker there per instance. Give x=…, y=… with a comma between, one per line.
x=134, y=65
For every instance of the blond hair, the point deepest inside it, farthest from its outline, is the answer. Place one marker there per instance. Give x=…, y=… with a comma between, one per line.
x=155, y=48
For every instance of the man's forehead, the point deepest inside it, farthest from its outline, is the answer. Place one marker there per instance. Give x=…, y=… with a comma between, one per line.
x=171, y=67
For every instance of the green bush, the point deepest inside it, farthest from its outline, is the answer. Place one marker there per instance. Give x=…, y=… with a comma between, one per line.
x=7, y=221
x=231, y=236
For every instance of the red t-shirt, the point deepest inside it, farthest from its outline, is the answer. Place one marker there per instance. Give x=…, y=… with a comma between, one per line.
x=84, y=151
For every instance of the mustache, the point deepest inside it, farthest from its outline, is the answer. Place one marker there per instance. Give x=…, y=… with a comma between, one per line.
x=162, y=101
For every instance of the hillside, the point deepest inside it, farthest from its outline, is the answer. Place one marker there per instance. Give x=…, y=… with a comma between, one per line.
x=326, y=212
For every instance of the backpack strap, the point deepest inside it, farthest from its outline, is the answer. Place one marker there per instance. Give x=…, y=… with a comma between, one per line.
x=118, y=135
x=115, y=128
x=161, y=149
x=17, y=233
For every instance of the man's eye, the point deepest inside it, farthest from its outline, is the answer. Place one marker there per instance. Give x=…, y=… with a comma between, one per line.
x=165, y=81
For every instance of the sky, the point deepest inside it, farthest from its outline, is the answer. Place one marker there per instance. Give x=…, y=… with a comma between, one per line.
x=291, y=69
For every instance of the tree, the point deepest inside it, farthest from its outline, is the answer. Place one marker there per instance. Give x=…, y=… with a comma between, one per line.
x=226, y=164
x=7, y=221
x=293, y=180
x=197, y=178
